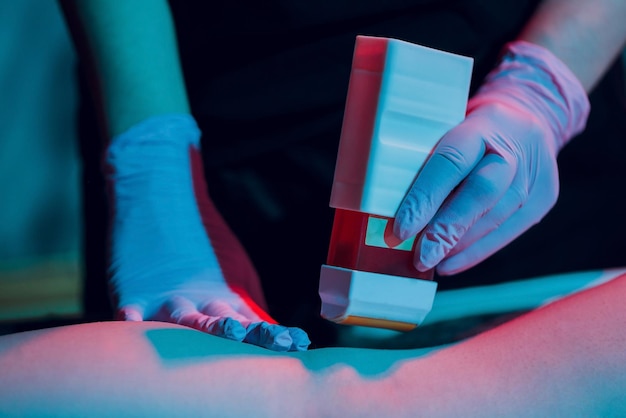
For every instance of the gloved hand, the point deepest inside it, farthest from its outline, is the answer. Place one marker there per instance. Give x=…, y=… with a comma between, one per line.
x=495, y=175
x=173, y=258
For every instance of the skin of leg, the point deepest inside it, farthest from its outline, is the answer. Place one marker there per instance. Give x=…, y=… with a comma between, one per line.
x=566, y=359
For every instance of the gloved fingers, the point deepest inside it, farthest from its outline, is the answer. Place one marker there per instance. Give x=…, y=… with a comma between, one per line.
x=300, y=339
x=513, y=227
x=453, y=159
x=259, y=332
x=271, y=336
x=182, y=311
x=133, y=313
x=477, y=195
x=511, y=202
x=529, y=199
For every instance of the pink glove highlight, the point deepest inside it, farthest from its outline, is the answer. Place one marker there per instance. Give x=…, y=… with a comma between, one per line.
x=495, y=175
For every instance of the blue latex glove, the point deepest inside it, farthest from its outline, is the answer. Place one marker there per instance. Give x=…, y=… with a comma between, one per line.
x=495, y=175
x=164, y=265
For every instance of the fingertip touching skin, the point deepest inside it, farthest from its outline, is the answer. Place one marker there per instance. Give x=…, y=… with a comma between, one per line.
x=173, y=258
x=495, y=175
x=276, y=337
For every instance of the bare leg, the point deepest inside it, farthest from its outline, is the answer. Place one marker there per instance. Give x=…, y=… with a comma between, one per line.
x=566, y=359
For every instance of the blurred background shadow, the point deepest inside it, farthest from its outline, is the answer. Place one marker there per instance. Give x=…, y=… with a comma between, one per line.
x=40, y=216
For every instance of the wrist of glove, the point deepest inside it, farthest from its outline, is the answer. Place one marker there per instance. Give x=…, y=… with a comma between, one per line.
x=494, y=175
x=530, y=77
